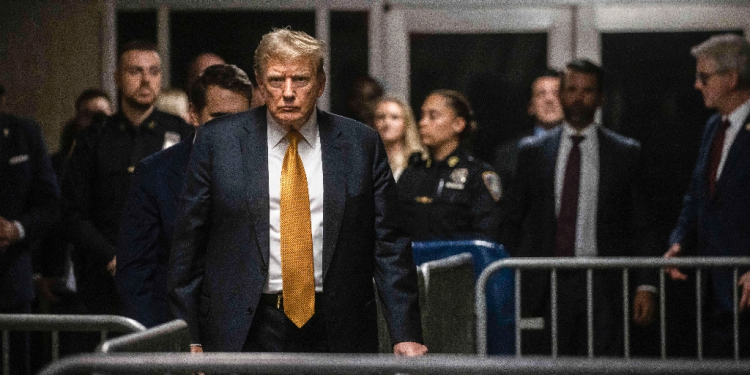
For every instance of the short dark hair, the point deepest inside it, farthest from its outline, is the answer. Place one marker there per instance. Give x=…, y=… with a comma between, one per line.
x=587, y=67
x=136, y=45
x=460, y=104
x=226, y=76
x=89, y=94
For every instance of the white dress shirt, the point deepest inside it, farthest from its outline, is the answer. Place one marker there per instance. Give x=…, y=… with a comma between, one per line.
x=736, y=119
x=310, y=152
x=588, y=192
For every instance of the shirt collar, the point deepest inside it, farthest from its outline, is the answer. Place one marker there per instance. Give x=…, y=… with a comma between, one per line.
x=588, y=132
x=276, y=133
x=739, y=115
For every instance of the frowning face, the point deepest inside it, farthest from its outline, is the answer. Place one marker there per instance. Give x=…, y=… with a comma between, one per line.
x=291, y=89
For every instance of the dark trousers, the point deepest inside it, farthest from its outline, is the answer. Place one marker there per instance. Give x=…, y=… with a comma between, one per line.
x=272, y=331
x=572, y=319
x=19, y=344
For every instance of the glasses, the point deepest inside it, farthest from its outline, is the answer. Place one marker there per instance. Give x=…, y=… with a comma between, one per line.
x=704, y=77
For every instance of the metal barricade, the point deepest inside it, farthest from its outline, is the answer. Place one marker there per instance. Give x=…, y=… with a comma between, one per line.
x=57, y=323
x=169, y=337
x=447, y=319
x=589, y=264
x=266, y=363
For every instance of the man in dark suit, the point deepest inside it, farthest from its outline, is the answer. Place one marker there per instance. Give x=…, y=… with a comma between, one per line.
x=29, y=205
x=578, y=194
x=716, y=209
x=148, y=220
x=545, y=109
x=286, y=217
x=98, y=178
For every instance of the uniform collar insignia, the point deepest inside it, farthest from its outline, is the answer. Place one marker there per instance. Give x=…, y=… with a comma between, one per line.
x=452, y=161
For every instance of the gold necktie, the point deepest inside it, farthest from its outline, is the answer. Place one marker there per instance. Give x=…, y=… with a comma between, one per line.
x=298, y=281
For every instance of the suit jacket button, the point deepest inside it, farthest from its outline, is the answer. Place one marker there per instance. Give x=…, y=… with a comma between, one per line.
x=250, y=310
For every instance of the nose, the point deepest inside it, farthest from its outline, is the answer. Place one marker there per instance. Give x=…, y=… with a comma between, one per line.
x=288, y=91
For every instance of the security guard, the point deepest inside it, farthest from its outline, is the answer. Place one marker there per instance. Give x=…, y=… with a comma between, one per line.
x=104, y=158
x=450, y=195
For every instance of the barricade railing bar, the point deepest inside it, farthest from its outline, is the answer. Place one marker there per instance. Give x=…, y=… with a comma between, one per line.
x=56, y=323
x=266, y=363
x=168, y=337
x=590, y=264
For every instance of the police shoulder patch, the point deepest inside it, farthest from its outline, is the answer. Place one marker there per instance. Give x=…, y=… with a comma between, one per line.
x=492, y=182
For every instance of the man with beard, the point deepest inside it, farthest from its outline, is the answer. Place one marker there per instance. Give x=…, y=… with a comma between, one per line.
x=101, y=168
x=578, y=193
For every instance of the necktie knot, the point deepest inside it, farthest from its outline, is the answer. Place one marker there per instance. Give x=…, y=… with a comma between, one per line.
x=577, y=139
x=725, y=124
x=293, y=137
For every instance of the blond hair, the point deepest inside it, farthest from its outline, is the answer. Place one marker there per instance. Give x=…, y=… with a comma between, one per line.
x=411, y=140
x=287, y=44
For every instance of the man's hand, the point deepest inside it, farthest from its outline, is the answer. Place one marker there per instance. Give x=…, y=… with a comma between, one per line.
x=8, y=234
x=674, y=273
x=194, y=349
x=409, y=349
x=44, y=287
x=744, y=282
x=643, y=307
x=112, y=266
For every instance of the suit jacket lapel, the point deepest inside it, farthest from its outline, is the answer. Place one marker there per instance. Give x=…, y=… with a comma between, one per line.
x=254, y=147
x=178, y=165
x=739, y=153
x=334, y=185
x=551, y=147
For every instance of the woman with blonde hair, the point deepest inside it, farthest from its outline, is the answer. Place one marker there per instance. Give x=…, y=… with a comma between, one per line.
x=394, y=120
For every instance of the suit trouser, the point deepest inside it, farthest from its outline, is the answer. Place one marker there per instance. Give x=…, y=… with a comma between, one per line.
x=19, y=343
x=272, y=331
x=572, y=319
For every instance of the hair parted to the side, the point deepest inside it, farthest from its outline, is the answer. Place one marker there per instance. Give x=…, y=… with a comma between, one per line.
x=412, y=143
x=729, y=52
x=226, y=76
x=286, y=44
x=461, y=106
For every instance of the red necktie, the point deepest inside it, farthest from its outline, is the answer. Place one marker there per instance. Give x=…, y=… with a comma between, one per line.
x=565, y=237
x=714, y=157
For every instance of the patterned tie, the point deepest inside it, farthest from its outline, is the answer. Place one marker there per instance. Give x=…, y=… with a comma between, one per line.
x=298, y=281
x=565, y=237
x=717, y=147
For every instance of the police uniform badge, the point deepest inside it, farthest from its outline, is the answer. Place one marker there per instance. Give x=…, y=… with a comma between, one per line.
x=492, y=182
x=170, y=139
x=6, y=132
x=458, y=179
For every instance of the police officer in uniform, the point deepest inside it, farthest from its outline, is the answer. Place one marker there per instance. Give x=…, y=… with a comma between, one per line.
x=104, y=158
x=451, y=194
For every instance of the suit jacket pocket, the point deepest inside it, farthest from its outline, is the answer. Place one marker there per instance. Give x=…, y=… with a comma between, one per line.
x=204, y=306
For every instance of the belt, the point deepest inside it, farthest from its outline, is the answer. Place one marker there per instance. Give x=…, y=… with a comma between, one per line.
x=277, y=300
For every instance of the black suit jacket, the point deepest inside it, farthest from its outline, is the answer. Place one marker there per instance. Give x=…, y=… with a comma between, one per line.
x=623, y=225
x=219, y=259
x=146, y=232
x=29, y=194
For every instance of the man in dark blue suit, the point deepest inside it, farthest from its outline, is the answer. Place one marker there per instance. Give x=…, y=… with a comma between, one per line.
x=579, y=193
x=715, y=218
x=29, y=205
x=148, y=221
x=286, y=216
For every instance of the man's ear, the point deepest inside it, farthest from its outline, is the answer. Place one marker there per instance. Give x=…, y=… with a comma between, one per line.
x=734, y=78
x=459, y=124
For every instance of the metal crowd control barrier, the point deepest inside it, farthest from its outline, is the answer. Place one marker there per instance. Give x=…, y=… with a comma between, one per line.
x=266, y=363
x=169, y=337
x=589, y=264
x=447, y=317
x=57, y=323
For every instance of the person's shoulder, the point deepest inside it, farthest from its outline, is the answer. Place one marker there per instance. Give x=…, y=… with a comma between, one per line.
x=345, y=124
x=18, y=123
x=161, y=159
x=170, y=122
x=620, y=139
